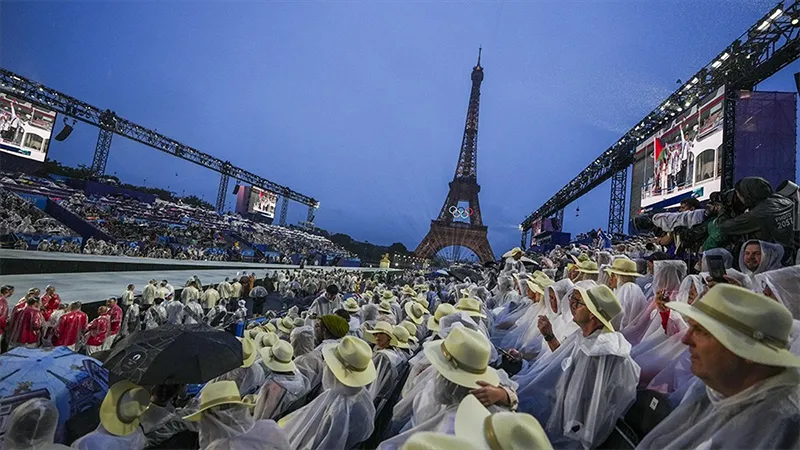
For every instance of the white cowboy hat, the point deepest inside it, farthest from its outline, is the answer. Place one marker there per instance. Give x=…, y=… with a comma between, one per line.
x=408, y=291
x=253, y=332
x=503, y=430
x=267, y=340
x=381, y=327
x=248, y=352
x=428, y=440
x=387, y=294
x=471, y=306
x=350, y=361
x=270, y=327
x=750, y=325
x=422, y=300
x=602, y=303
x=278, y=358
x=445, y=309
x=385, y=307
x=534, y=286
x=463, y=358
x=411, y=328
x=351, y=305
x=512, y=252
x=588, y=267
x=415, y=312
x=286, y=325
x=298, y=322
x=401, y=336
x=623, y=266
x=122, y=407
x=217, y=393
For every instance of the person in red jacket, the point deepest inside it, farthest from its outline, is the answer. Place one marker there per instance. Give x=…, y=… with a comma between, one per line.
x=5, y=292
x=97, y=331
x=50, y=302
x=71, y=327
x=27, y=325
x=115, y=316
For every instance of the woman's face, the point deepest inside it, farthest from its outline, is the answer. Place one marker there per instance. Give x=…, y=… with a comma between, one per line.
x=553, y=300
x=382, y=340
x=692, y=293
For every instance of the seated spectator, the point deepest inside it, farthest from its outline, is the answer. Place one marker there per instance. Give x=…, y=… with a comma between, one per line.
x=32, y=426
x=387, y=358
x=120, y=414
x=284, y=384
x=329, y=329
x=749, y=396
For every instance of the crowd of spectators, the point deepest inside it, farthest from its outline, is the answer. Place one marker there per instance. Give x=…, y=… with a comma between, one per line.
x=18, y=215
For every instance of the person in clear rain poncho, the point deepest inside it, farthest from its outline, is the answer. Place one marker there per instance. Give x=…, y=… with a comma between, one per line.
x=524, y=335
x=250, y=376
x=557, y=312
x=388, y=360
x=343, y=414
x=622, y=275
x=758, y=257
x=284, y=384
x=225, y=422
x=119, y=427
x=329, y=329
x=505, y=294
x=749, y=393
x=302, y=340
x=32, y=426
x=667, y=278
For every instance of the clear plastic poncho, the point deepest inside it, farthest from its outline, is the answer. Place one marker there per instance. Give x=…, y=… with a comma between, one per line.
x=278, y=393
x=302, y=340
x=561, y=320
x=32, y=426
x=596, y=387
x=247, y=379
x=667, y=277
x=388, y=364
x=224, y=422
x=670, y=221
x=339, y=418
x=771, y=256
x=785, y=285
x=505, y=286
x=633, y=302
x=102, y=439
x=765, y=415
x=525, y=335
x=264, y=435
x=727, y=258
x=312, y=364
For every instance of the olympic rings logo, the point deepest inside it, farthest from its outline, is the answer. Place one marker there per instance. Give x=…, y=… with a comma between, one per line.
x=461, y=213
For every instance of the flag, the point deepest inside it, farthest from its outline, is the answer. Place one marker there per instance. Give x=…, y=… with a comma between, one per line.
x=658, y=154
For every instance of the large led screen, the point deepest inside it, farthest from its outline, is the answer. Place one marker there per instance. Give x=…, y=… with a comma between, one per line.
x=25, y=128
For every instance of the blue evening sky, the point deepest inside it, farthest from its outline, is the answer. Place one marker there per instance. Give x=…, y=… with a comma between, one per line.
x=362, y=104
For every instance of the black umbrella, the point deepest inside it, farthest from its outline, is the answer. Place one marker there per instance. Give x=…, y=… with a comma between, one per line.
x=175, y=354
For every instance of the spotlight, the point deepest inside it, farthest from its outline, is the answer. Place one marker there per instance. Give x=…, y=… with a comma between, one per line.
x=795, y=21
x=66, y=131
x=236, y=189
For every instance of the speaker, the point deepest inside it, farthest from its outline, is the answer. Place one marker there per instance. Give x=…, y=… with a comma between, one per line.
x=64, y=133
x=236, y=189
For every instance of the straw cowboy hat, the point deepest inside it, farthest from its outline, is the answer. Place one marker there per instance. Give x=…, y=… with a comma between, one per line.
x=471, y=306
x=534, y=286
x=368, y=294
x=298, y=322
x=623, y=266
x=253, y=332
x=428, y=440
x=420, y=287
x=401, y=336
x=385, y=307
x=381, y=327
x=270, y=327
x=463, y=358
x=248, y=352
x=216, y=394
x=350, y=361
x=267, y=340
x=278, y=358
x=445, y=309
x=750, y=325
x=422, y=300
x=415, y=312
x=122, y=407
x=411, y=328
x=387, y=294
x=286, y=325
x=350, y=305
x=408, y=291
x=503, y=430
x=602, y=303
x=588, y=267
x=512, y=252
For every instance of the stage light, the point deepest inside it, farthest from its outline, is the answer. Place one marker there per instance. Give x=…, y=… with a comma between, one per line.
x=236, y=189
x=764, y=25
x=725, y=56
x=695, y=80
x=66, y=131
x=795, y=21
x=776, y=14
x=716, y=64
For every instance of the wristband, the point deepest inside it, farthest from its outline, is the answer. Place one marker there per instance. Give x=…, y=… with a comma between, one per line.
x=549, y=337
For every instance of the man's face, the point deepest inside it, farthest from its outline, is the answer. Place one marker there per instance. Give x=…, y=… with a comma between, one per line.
x=382, y=340
x=752, y=257
x=612, y=281
x=553, y=300
x=580, y=313
x=684, y=207
x=318, y=335
x=711, y=361
x=650, y=266
x=330, y=296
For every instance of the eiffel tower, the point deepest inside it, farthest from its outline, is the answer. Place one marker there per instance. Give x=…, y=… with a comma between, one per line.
x=445, y=231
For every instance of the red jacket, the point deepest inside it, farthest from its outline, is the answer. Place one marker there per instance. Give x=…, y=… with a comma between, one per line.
x=115, y=313
x=70, y=327
x=50, y=303
x=98, y=330
x=3, y=314
x=30, y=322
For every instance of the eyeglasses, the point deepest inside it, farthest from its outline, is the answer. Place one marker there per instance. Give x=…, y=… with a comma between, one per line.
x=575, y=302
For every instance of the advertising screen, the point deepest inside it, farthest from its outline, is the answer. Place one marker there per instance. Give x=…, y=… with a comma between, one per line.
x=682, y=159
x=262, y=202
x=25, y=128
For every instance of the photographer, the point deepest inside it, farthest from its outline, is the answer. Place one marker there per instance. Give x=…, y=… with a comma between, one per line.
x=769, y=217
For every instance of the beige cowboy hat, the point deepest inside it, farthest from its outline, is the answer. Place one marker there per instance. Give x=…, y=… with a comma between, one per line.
x=381, y=327
x=534, y=286
x=248, y=352
x=463, y=358
x=415, y=312
x=298, y=322
x=368, y=294
x=122, y=407
x=401, y=336
x=278, y=357
x=588, y=267
x=602, y=303
x=286, y=325
x=271, y=327
x=512, y=252
x=445, y=309
x=411, y=328
x=267, y=340
x=350, y=361
x=471, y=306
x=350, y=305
x=408, y=291
x=385, y=307
x=503, y=430
x=750, y=325
x=428, y=440
x=420, y=288
x=253, y=332
x=623, y=266
x=387, y=294
x=422, y=300
x=217, y=393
